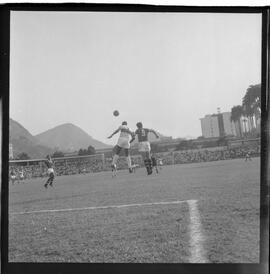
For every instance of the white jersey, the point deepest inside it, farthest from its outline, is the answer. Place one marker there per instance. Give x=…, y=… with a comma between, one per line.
x=124, y=132
x=123, y=140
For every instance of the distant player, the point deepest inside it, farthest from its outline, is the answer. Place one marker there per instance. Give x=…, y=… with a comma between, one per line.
x=49, y=163
x=21, y=175
x=160, y=163
x=144, y=145
x=123, y=143
x=248, y=156
x=154, y=162
x=134, y=167
x=83, y=171
x=13, y=176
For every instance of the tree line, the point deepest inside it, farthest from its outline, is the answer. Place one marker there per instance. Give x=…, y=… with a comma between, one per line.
x=58, y=154
x=82, y=151
x=249, y=112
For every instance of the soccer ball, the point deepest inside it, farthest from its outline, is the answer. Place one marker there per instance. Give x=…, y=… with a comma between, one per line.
x=116, y=113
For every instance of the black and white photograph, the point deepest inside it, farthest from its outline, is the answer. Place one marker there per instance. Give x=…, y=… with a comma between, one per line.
x=135, y=137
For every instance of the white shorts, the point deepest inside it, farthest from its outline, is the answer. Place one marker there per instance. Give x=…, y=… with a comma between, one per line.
x=123, y=142
x=144, y=146
x=50, y=170
x=13, y=177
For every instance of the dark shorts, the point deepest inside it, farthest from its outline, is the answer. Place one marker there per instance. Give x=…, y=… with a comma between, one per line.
x=51, y=175
x=117, y=149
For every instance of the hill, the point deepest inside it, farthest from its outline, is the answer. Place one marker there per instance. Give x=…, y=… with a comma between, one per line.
x=23, y=141
x=68, y=137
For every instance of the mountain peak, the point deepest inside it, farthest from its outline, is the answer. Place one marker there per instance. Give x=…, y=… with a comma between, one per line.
x=68, y=137
x=23, y=141
x=65, y=137
x=67, y=125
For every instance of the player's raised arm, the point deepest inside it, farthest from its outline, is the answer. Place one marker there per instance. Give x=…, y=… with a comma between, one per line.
x=133, y=135
x=130, y=132
x=151, y=130
x=116, y=131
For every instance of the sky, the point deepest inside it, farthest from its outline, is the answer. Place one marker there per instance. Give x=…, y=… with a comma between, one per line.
x=166, y=70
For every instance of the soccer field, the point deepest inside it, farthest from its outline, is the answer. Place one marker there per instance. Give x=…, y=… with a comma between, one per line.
x=201, y=212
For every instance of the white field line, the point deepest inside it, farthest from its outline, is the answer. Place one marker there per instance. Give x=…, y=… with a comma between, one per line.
x=196, y=237
x=98, y=207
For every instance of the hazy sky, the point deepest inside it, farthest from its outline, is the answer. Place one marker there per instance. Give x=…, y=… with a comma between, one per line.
x=164, y=69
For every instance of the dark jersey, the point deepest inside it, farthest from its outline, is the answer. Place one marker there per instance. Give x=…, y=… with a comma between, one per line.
x=49, y=164
x=142, y=134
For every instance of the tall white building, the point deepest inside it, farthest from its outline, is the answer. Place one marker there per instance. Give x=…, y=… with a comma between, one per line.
x=210, y=127
x=218, y=125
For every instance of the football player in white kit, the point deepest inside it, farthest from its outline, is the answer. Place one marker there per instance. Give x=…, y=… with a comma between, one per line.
x=122, y=143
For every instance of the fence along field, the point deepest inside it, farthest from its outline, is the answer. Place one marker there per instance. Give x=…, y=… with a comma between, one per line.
x=98, y=162
x=200, y=212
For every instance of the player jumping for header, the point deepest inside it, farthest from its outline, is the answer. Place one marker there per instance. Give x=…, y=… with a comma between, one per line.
x=49, y=163
x=122, y=143
x=144, y=145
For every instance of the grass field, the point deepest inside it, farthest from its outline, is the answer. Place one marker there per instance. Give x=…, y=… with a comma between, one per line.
x=203, y=212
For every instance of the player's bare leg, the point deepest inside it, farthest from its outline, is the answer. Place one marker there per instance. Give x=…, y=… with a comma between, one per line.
x=49, y=181
x=46, y=184
x=129, y=164
x=148, y=162
x=117, y=149
x=113, y=165
x=128, y=160
x=114, y=170
x=52, y=178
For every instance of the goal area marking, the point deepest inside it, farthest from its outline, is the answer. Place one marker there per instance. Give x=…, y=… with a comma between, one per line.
x=97, y=207
x=196, y=238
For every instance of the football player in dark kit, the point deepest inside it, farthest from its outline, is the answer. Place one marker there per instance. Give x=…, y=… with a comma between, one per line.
x=144, y=145
x=49, y=163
